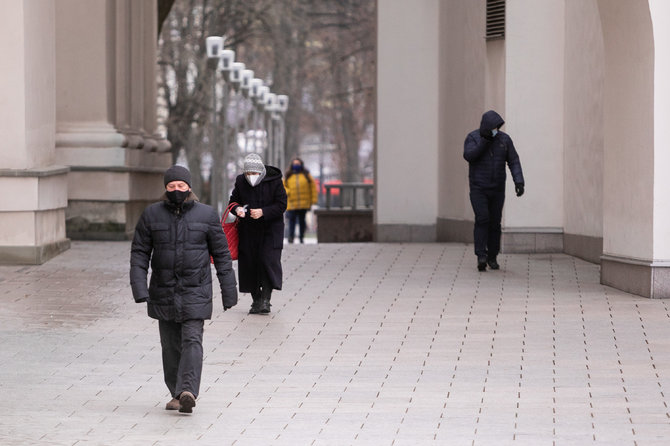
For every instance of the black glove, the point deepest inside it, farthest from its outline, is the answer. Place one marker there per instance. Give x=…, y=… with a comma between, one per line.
x=141, y=300
x=226, y=308
x=519, y=189
x=486, y=133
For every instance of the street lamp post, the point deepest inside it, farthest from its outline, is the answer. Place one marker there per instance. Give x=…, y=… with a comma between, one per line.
x=254, y=91
x=263, y=91
x=214, y=46
x=226, y=62
x=248, y=93
x=270, y=102
x=282, y=107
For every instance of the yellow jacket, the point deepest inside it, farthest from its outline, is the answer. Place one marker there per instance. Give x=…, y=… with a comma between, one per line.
x=301, y=191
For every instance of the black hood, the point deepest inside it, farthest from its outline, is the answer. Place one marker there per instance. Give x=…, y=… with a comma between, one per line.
x=272, y=173
x=491, y=120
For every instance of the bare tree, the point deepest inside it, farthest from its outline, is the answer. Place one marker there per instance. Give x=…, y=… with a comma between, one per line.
x=185, y=74
x=318, y=52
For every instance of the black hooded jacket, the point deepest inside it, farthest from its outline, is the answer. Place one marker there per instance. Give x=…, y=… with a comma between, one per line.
x=488, y=154
x=178, y=242
x=260, y=240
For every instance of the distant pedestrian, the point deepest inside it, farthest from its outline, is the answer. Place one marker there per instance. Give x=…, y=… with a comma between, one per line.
x=176, y=237
x=487, y=150
x=302, y=195
x=259, y=192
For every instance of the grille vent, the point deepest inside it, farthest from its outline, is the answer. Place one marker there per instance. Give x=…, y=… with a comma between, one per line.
x=495, y=19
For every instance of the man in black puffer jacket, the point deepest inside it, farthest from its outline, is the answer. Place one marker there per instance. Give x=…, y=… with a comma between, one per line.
x=487, y=150
x=178, y=235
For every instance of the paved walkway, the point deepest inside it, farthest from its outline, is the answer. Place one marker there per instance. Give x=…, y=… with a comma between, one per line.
x=368, y=344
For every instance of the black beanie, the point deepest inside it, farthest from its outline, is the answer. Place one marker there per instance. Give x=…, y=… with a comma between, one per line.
x=177, y=173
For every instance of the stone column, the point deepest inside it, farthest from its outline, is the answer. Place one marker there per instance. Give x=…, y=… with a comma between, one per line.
x=636, y=256
x=407, y=120
x=105, y=85
x=32, y=211
x=534, y=65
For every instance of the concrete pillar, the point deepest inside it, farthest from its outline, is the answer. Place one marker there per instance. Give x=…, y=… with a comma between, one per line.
x=105, y=96
x=583, y=131
x=534, y=63
x=636, y=251
x=466, y=88
x=407, y=120
x=32, y=211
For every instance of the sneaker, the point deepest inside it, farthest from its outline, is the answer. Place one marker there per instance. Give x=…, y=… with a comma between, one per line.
x=493, y=264
x=186, y=402
x=173, y=404
x=481, y=263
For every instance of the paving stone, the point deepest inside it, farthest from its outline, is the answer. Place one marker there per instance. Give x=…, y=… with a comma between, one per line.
x=366, y=344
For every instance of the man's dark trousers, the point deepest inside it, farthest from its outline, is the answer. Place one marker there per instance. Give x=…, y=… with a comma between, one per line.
x=182, y=355
x=487, y=205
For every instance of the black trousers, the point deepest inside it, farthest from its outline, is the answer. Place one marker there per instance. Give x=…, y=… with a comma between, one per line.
x=181, y=343
x=487, y=205
x=263, y=289
x=296, y=216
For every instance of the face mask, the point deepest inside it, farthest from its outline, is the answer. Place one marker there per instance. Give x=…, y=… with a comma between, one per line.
x=296, y=168
x=253, y=179
x=494, y=132
x=177, y=196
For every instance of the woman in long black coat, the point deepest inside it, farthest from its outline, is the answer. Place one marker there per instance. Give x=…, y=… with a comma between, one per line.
x=261, y=198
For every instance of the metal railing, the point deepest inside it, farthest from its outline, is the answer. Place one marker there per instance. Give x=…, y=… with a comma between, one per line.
x=351, y=196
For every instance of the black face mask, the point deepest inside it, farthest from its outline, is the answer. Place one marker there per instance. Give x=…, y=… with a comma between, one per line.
x=177, y=196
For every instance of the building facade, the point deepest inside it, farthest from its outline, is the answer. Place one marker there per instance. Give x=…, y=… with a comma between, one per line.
x=79, y=149
x=582, y=86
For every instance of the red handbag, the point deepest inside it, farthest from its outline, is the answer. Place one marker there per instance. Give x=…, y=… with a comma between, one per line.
x=230, y=229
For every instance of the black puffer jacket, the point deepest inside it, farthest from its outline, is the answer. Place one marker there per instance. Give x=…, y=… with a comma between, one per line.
x=261, y=240
x=179, y=243
x=487, y=155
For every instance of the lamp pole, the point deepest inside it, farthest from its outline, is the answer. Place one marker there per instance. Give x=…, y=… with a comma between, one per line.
x=226, y=62
x=254, y=91
x=263, y=91
x=282, y=107
x=214, y=47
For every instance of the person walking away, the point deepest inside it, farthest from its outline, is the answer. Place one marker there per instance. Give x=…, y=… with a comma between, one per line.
x=302, y=194
x=261, y=201
x=176, y=237
x=487, y=150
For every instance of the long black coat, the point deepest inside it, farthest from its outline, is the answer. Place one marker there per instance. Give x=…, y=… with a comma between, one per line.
x=262, y=240
x=487, y=157
x=178, y=243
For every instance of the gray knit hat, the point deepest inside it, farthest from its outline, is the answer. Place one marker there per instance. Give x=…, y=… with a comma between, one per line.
x=177, y=173
x=254, y=163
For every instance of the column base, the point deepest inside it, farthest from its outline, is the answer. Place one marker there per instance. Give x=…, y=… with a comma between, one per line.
x=32, y=255
x=459, y=231
x=513, y=240
x=405, y=233
x=531, y=240
x=644, y=278
x=585, y=247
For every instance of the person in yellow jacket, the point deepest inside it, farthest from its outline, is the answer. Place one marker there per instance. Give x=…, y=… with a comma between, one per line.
x=302, y=194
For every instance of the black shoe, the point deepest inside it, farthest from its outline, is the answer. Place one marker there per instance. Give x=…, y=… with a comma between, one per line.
x=255, y=307
x=481, y=263
x=265, y=306
x=493, y=264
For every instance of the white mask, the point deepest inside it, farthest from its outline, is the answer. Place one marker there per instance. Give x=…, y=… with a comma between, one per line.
x=253, y=179
x=494, y=132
